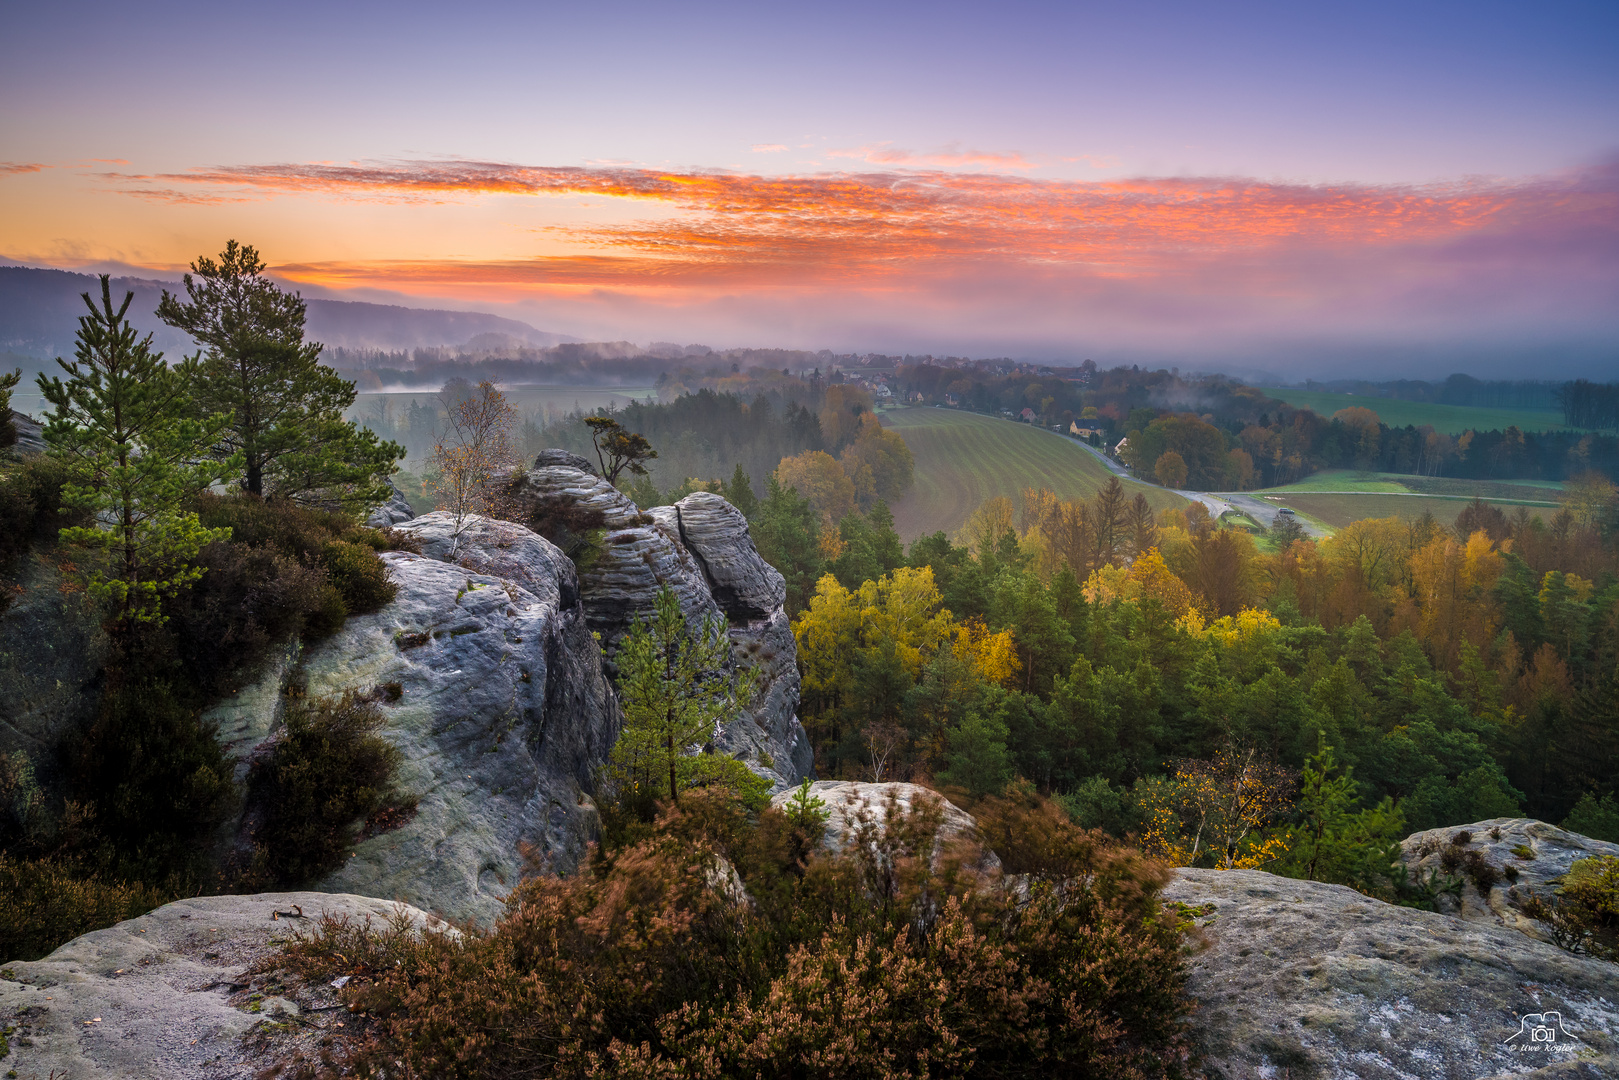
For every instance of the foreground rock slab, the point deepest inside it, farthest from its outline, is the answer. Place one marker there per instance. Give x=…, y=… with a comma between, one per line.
x=1300, y=979
x=170, y=995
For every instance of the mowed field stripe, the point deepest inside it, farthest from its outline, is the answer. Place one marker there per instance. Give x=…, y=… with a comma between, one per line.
x=963, y=459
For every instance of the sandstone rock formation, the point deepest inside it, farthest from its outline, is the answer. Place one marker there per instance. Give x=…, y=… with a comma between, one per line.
x=171, y=995
x=849, y=804
x=504, y=708
x=1300, y=979
x=1527, y=857
x=30, y=434
x=502, y=714
x=395, y=510
x=699, y=548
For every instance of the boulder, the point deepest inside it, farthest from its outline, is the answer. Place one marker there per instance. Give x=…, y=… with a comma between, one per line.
x=1527, y=857
x=395, y=510
x=495, y=695
x=700, y=548
x=851, y=804
x=1300, y=979
x=546, y=458
x=174, y=994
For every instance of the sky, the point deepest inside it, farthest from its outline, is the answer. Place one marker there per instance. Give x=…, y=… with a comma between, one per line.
x=1295, y=188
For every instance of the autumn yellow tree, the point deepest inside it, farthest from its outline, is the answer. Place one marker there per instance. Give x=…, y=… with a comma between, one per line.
x=817, y=477
x=1453, y=585
x=992, y=520
x=1219, y=811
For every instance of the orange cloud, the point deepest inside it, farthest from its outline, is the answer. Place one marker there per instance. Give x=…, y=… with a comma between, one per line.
x=10, y=169
x=893, y=226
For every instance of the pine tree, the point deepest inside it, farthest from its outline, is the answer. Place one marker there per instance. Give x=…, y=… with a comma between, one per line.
x=788, y=534
x=285, y=406
x=8, y=433
x=135, y=450
x=1333, y=842
x=675, y=690
x=739, y=493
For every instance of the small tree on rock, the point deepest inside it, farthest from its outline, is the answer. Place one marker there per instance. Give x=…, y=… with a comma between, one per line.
x=474, y=459
x=675, y=691
x=617, y=449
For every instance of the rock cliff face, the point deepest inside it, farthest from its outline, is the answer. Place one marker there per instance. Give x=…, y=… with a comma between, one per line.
x=30, y=434
x=497, y=692
x=502, y=714
x=699, y=548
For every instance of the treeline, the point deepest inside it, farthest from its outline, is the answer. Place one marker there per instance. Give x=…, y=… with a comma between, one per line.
x=613, y=363
x=1125, y=662
x=1226, y=436
x=1589, y=405
x=1456, y=390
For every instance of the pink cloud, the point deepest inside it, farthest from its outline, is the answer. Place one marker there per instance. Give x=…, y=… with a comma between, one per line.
x=887, y=154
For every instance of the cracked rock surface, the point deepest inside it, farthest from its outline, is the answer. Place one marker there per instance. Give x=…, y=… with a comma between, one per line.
x=1300, y=979
x=1529, y=858
x=700, y=548
x=502, y=714
x=171, y=995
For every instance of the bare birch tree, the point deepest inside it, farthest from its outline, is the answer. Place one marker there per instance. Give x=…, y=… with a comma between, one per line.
x=473, y=457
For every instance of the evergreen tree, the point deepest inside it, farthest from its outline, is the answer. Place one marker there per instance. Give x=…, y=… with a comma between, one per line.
x=788, y=534
x=739, y=492
x=887, y=550
x=1333, y=842
x=977, y=755
x=285, y=407
x=675, y=690
x=135, y=450
x=8, y=433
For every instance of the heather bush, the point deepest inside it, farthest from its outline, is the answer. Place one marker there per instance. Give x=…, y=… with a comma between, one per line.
x=723, y=944
x=47, y=903
x=287, y=571
x=327, y=772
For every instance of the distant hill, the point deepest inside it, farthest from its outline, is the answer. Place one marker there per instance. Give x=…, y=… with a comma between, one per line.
x=40, y=309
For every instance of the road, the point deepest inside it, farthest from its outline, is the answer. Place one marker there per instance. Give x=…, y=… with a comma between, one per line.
x=1256, y=508
x=1265, y=513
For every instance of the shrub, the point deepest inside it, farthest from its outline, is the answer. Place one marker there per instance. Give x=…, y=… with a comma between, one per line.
x=249, y=600
x=46, y=904
x=327, y=771
x=154, y=781
x=358, y=575
x=881, y=961
x=286, y=571
x=1584, y=916
x=30, y=507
